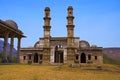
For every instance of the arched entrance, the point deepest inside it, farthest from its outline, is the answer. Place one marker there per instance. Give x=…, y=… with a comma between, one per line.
x=59, y=56
x=83, y=58
x=36, y=58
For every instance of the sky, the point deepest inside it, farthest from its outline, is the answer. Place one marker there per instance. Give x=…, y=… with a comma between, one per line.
x=96, y=21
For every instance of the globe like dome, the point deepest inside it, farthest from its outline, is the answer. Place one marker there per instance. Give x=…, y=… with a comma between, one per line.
x=93, y=45
x=37, y=44
x=84, y=44
x=12, y=24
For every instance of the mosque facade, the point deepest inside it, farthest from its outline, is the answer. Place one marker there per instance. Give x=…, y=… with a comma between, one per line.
x=53, y=50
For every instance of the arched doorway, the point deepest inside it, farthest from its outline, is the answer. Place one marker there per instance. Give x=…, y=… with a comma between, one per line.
x=36, y=58
x=83, y=58
x=59, y=56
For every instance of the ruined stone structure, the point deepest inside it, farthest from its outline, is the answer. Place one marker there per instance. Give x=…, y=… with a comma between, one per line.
x=9, y=29
x=70, y=49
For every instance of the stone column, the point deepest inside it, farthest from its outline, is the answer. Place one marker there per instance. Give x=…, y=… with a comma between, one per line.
x=4, y=60
x=38, y=58
x=79, y=58
x=18, y=49
x=86, y=58
x=32, y=58
x=11, y=49
x=65, y=55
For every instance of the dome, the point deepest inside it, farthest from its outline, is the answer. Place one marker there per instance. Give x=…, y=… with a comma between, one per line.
x=93, y=45
x=12, y=24
x=47, y=9
x=70, y=7
x=84, y=44
x=36, y=44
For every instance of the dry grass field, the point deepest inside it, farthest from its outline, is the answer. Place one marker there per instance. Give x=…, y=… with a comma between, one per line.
x=37, y=72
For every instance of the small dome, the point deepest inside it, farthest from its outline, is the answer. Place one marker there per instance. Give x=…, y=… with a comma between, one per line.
x=47, y=9
x=93, y=45
x=70, y=7
x=84, y=44
x=12, y=24
x=36, y=44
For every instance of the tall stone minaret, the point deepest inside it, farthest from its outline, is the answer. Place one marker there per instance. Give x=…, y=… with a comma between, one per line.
x=46, y=49
x=70, y=27
x=70, y=36
x=47, y=27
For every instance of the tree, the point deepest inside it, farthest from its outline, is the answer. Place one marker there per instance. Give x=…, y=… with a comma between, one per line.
x=1, y=56
x=8, y=58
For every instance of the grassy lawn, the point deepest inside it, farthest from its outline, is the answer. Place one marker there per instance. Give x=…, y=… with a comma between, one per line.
x=31, y=72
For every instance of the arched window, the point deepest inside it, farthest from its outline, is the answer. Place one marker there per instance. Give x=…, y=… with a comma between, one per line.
x=29, y=57
x=89, y=57
x=95, y=57
x=77, y=56
x=59, y=46
x=24, y=57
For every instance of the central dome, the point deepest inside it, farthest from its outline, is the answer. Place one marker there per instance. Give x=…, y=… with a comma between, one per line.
x=84, y=44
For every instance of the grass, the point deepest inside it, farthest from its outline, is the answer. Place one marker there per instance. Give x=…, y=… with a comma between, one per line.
x=30, y=72
x=110, y=71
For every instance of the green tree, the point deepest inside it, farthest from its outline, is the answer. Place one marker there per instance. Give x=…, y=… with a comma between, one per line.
x=1, y=56
x=14, y=59
x=8, y=58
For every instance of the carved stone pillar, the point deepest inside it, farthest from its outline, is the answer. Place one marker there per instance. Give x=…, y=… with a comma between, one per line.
x=4, y=60
x=11, y=49
x=18, y=49
x=32, y=59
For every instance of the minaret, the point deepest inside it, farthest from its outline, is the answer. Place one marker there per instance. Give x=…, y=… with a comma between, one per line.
x=47, y=27
x=70, y=36
x=46, y=49
x=70, y=27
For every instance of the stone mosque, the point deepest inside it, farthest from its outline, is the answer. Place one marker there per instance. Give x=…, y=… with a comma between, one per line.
x=66, y=50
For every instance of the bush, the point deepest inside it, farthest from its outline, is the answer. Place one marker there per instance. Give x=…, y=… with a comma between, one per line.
x=1, y=57
x=8, y=58
x=14, y=59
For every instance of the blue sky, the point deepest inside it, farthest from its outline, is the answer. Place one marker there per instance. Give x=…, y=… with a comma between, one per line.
x=96, y=21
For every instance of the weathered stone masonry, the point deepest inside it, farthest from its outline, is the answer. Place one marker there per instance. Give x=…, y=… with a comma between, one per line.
x=52, y=50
